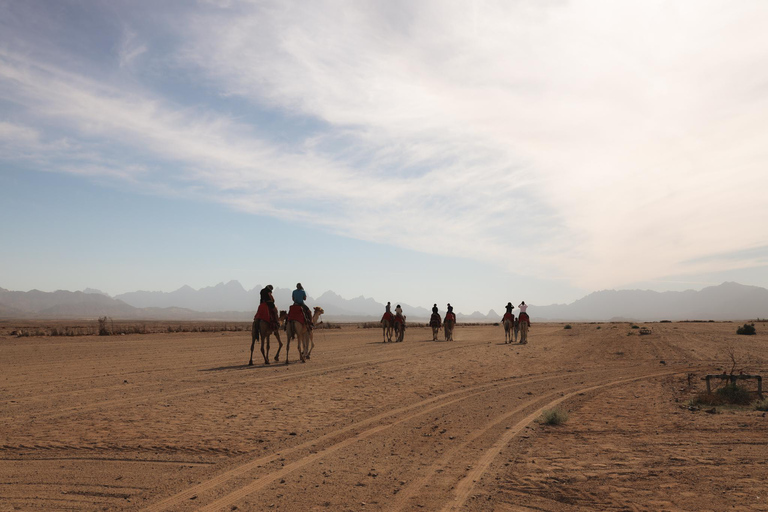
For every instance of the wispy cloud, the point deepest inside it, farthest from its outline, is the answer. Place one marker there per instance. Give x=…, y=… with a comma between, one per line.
x=598, y=142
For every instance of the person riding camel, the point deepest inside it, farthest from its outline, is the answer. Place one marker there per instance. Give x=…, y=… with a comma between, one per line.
x=265, y=297
x=434, y=321
x=523, y=307
x=299, y=296
x=387, y=313
x=450, y=313
x=508, y=315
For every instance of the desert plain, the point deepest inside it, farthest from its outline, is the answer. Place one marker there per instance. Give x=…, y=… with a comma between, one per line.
x=179, y=421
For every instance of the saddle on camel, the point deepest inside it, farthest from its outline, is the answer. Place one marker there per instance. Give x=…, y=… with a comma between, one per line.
x=387, y=316
x=299, y=309
x=450, y=316
x=399, y=318
x=267, y=310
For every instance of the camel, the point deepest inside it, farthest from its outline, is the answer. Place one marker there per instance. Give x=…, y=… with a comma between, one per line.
x=448, y=324
x=303, y=335
x=434, y=322
x=509, y=327
x=312, y=332
x=263, y=330
x=387, y=328
x=400, y=330
x=525, y=324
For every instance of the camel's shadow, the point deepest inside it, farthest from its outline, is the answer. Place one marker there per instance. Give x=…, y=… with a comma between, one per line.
x=245, y=366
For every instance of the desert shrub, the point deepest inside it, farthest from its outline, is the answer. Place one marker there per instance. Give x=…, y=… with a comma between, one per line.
x=598, y=327
x=733, y=394
x=554, y=416
x=746, y=329
x=727, y=395
x=762, y=405
x=567, y=326
x=104, y=329
x=635, y=326
x=666, y=322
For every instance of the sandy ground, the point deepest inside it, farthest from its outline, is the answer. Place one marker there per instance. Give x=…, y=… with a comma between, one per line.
x=180, y=422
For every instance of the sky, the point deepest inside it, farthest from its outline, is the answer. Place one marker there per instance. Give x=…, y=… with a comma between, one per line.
x=469, y=152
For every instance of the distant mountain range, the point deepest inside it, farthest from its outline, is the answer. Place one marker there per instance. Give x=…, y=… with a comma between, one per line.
x=230, y=301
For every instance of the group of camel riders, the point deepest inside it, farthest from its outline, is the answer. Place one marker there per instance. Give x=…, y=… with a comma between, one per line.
x=521, y=318
x=298, y=311
x=434, y=321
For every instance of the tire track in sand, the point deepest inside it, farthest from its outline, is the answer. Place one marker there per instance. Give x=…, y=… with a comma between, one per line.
x=422, y=407
x=465, y=485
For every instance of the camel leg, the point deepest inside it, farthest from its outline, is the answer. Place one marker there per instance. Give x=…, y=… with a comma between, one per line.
x=311, y=343
x=265, y=341
x=301, y=343
x=279, y=346
x=254, y=337
x=290, y=331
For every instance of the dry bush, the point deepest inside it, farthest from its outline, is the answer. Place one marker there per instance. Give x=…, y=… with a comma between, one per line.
x=556, y=416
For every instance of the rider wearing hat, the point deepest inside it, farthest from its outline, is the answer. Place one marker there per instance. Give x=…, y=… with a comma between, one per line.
x=299, y=296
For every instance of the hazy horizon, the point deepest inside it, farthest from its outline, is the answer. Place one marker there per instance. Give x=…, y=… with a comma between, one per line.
x=473, y=152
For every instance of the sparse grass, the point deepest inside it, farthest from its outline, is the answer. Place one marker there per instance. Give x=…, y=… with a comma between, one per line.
x=567, y=326
x=746, y=329
x=726, y=395
x=556, y=416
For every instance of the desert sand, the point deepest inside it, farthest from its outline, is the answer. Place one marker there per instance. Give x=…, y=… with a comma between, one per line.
x=178, y=421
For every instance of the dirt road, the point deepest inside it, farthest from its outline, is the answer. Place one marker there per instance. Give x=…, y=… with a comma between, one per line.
x=180, y=422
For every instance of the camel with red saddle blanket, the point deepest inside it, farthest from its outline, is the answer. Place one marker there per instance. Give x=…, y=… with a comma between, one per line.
x=296, y=325
x=263, y=327
x=387, y=326
x=448, y=324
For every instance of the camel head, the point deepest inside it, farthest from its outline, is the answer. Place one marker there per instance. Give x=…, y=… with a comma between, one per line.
x=319, y=310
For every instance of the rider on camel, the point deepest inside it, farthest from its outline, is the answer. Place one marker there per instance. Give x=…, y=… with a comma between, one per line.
x=508, y=315
x=434, y=321
x=299, y=296
x=265, y=296
x=399, y=315
x=387, y=313
x=450, y=314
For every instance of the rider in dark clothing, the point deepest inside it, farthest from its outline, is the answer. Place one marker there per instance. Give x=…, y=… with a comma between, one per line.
x=265, y=295
x=434, y=309
x=450, y=308
x=509, y=307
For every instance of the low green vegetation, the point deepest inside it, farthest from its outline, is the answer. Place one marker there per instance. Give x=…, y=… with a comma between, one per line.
x=746, y=329
x=568, y=326
x=556, y=416
x=635, y=326
x=727, y=395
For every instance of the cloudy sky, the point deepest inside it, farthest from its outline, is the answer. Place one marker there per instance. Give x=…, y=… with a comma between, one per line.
x=471, y=151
